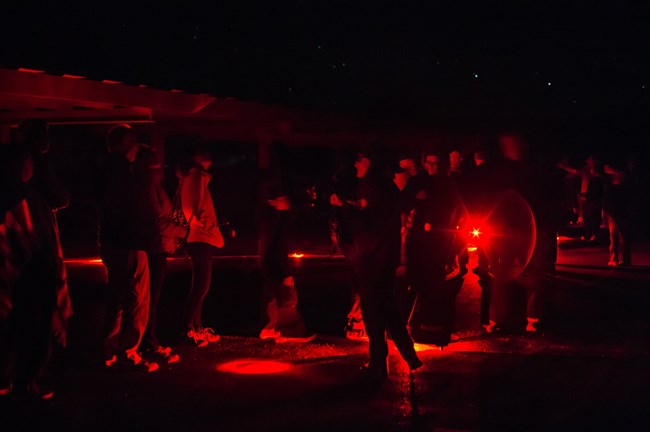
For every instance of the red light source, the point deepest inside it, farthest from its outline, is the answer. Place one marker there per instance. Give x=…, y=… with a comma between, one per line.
x=475, y=233
x=296, y=255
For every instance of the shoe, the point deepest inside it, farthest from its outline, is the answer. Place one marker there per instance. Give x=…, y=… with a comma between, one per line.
x=531, y=327
x=298, y=339
x=356, y=330
x=207, y=334
x=135, y=363
x=612, y=264
x=268, y=334
x=358, y=335
x=195, y=338
x=110, y=362
x=161, y=354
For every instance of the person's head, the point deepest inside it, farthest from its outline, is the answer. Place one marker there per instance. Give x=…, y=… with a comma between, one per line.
x=362, y=164
x=455, y=160
x=408, y=164
x=203, y=158
x=511, y=146
x=148, y=163
x=122, y=140
x=432, y=161
x=480, y=157
x=34, y=134
x=407, y=168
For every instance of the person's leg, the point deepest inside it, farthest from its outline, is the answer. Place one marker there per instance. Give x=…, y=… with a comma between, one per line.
x=136, y=304
x=374, y=319
x=269, y=308
x=157, y=270
x=32, y=322
x=201, y=256
x=115, y=261
x=396, y=326
x=613, y=241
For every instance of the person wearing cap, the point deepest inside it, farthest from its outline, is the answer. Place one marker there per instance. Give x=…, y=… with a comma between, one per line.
x=375, y=217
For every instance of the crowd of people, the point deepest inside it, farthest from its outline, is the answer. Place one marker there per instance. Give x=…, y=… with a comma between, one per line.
x=403, y=218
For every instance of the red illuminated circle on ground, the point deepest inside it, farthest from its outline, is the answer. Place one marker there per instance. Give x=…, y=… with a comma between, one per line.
x=253, y=367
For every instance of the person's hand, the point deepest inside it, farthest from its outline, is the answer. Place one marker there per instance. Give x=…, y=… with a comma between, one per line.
x=335, y=200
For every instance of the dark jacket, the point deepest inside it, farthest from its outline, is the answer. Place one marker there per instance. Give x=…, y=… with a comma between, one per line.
x=127, y=213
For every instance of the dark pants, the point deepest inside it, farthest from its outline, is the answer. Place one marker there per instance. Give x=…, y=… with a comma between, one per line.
x=157, y=270
x=25, y=333
x=201, y=257
x=127, y=309
x=620, y=251
x=380, y=313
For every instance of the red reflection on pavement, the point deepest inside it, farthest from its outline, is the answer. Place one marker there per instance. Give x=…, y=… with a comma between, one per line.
x=254, y=367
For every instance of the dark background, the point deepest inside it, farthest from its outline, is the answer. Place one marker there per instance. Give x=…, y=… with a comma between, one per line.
x=576, y=71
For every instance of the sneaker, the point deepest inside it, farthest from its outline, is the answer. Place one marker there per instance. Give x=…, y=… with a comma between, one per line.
x=162, y=354
x=195, y=338
x=531, y=326
x=135, y=363
x=356, y=330
x=267, y=334
x=358, y=335
x=208, y=335
x=110, y=362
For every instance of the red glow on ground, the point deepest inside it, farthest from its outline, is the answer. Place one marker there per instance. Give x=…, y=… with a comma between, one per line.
x=253, y=367
x=35, y=71
x=111, y=82
x=73, y=76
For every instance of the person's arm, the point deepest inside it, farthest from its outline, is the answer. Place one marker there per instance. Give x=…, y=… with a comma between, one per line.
x=192, y=194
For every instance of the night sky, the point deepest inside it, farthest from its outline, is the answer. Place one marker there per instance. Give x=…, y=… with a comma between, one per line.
x=582, y=63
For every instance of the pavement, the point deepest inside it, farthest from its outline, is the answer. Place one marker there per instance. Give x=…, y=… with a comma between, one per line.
x=586, y=370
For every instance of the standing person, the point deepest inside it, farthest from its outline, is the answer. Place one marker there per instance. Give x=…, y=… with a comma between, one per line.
x=204, y=236
x=431, y=243
x=34, y=298
x=344, y=187
x=477, y=197
x=617, y=208
x=540, y=186
x=376, y=228
x=150, y=173
x=282, y=322
x=126, y=232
